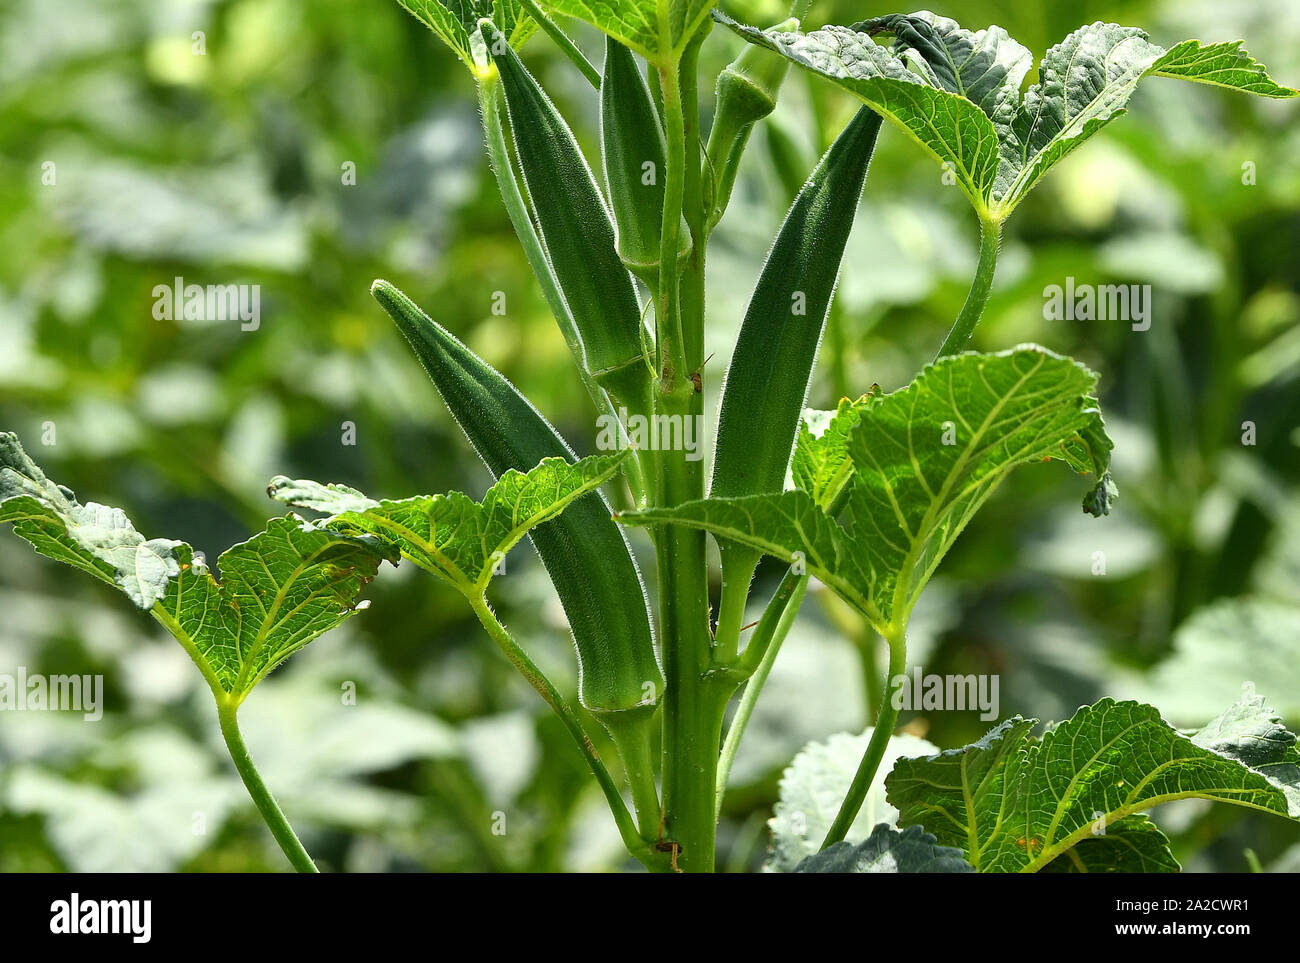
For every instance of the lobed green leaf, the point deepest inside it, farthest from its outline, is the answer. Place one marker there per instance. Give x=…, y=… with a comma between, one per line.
x=924, y=460
x=456, y=21
x=957, y=92
x=1016, y=804
x=280, y=590
x=453, y=536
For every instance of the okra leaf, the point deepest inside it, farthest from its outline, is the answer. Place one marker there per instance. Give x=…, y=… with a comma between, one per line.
x=946, y=124
x=814, y=785
x=1134, y=844
x=455, y=21
x=887, y=850
x=1016, y=804
x=656, y=29
x=99, y=540
x=280, y=589
x=821, y=465
x=957, y=92
x=452, y=535
x=924, y=460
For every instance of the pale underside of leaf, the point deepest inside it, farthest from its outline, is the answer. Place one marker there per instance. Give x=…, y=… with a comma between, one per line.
x=887, y=850
x=813, y=787
x=96, y=539
x=451, y=535
x=958, y=92
x=280, y=589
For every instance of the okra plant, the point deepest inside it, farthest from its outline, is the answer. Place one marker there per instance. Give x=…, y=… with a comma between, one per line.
x=867, y=499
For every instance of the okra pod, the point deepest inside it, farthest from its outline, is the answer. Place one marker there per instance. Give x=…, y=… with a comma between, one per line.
x=632, y=141
x=746, y=93
x=577, y=230
x=767, y=381
x=584, y=551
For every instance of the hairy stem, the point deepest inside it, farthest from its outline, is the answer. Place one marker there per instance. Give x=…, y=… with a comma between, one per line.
x=693, y=702
x=563, y=41
x=964, y=327
x=884, y=728
x=275, y=819
x=771, y=632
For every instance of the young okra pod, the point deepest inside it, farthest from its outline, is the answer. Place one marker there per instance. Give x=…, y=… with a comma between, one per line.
x=576, y=228
x=584, y=550
x=632, y=141
x=767, y=380
x=746, y=93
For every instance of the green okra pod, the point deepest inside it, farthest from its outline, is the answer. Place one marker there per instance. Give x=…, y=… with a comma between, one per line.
x=746, y=93
x=577, y=230
x=632, y=140
x=584, y=551
x=767, y=381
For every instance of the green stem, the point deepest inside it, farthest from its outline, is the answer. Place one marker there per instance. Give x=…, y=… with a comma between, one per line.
x=518, y=209
x=668, y=322
x=738, y=565
x=631, y=734
x=637, y=846
x=964, y=327
x=771, y=632
x=275, y=820
x=884, y=728
x=562, y=40
x=694, y=703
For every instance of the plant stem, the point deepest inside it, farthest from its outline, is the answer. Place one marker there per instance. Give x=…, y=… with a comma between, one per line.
x=520, y=217
x=880, y=734
x=266, y=804
x=668, y=322
x=738, y=565
x=563, y=41
x=964, y=327
x=637, y=846
x=771, y=632
x=694, y=704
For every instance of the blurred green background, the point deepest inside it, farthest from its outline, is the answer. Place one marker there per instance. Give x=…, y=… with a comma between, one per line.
x=227, y=167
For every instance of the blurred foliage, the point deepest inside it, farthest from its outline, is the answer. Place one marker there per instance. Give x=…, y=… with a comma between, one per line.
x=229, y=167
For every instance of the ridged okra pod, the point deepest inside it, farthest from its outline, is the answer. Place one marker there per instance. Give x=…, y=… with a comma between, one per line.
x=767, y=381
x=584, y=551
x=577, y=231
x=632, y=141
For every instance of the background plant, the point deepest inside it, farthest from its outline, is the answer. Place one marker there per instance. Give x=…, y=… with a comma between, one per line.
x=895, y=325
